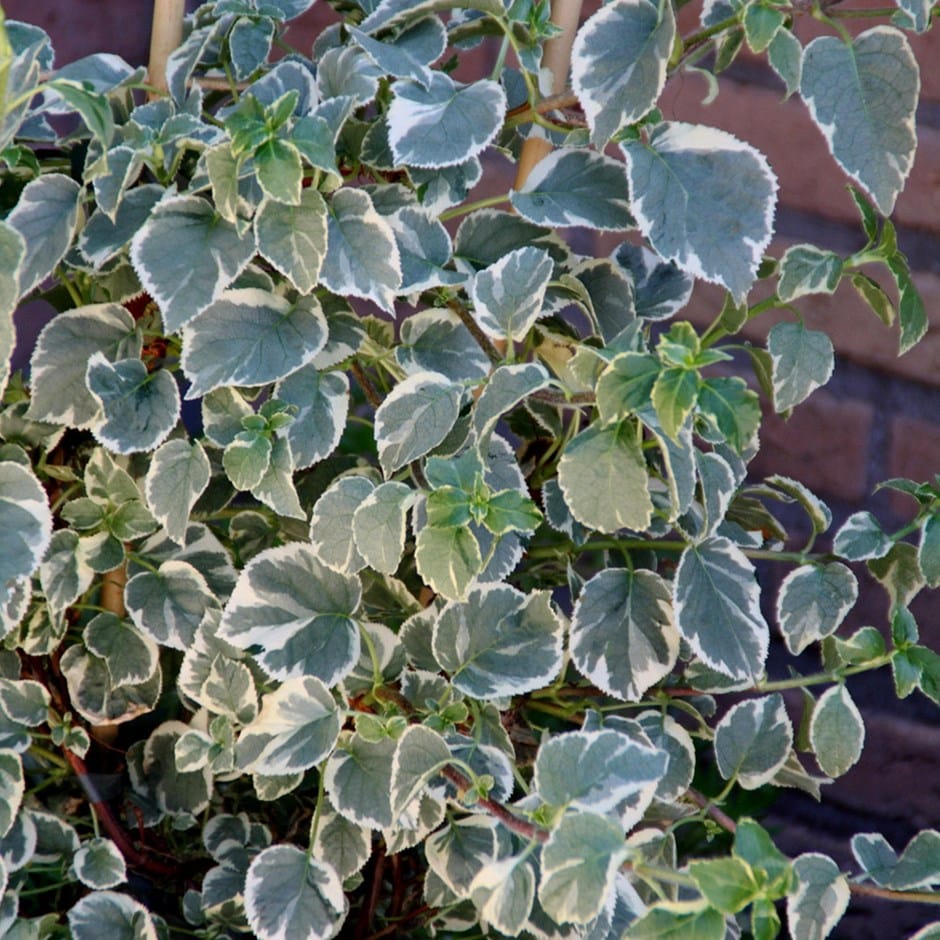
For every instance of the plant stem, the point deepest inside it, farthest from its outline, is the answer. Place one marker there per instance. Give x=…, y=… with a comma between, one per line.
x=911, y=897
x=519, y=826
x=821, y=678
x=483, y=341
x=469, y=207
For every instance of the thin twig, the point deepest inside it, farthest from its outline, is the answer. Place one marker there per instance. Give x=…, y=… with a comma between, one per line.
x=372, y=396
x=887, y=894
x=720, y=817
x=512, y=822
x=484, y=342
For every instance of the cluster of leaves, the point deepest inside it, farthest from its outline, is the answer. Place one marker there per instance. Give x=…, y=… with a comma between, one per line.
x=442, y=573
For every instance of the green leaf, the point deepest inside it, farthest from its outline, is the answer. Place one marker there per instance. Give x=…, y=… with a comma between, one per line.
x=761, y=24
x=716, y=233
x=499, y=641
x=60, y=361
x=322, y=403
x=445, y=123
x=396, y=59
x=672, y=739
x=507, y=295
x=297, y=613
x=618, y=64
x=342, y=844
x=64, y=573
x=806, y=269
x=246, y=459
x=436, y=341
x=457, y=852
x=803, y=360
x=280, y=171
x=603, y=477
x=917, y=868
x=362, y=257
x=511, y=511
x=785, y=57
x=717, y=608
x=140, y=408
x=96, y=696
x=733, y=408
x=250, y=337
x=579, y=863
x=331, y=528
x=813, y=601
x=45, y=216
x=912, y=313
x=626, y=385
x=425, y=249
x=293, y=238
x=575, y=187
x=99, y=864
x=836, y=731
x=661, y=288
x=414, y=418
x=727, y=883
x=276, y=487
x=379, y=525
x=295, y=730
x=108, y=913
x=12, y=788
x=674, y=395
x=596, y=770
x=861, y=537
x=290, y=896
x=821, y=897
x=753, y=741
x=680, y=921
x=229, y=689
x=169, y=604
x=131, y=656
x=177, y=477
x=25, y=525
x=622, y=633
x=215, y=254
x=862, y=97
x=94, y=108
x=448, y=559
x=753, y=844
x=900, y=573
x=503, y=892
x=819, y=513
x=12, y=252
x=419, y=754
x=24, y=701
x=506, y=387
x=357, y=779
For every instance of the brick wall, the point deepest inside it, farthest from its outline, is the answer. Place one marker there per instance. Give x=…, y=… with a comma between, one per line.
x=878, y=417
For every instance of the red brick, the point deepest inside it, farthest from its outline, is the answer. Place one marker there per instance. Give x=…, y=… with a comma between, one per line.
x=910, y=751
x=823, y=445
x=913, y=453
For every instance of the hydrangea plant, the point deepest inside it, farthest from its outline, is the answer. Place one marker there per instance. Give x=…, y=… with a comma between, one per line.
x=374, y=563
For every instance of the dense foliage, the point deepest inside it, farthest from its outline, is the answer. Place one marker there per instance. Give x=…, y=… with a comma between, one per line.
x=371, y=560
